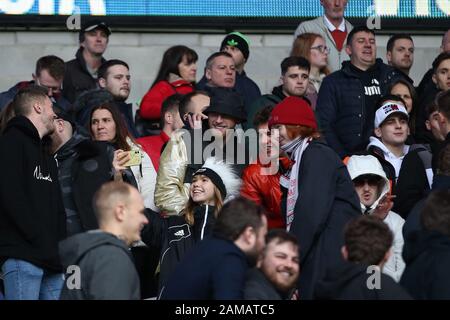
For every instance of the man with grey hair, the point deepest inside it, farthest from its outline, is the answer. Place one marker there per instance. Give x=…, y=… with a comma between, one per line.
x=220, y=71
x=106, y=268
x=333, y=27
x=32, y=219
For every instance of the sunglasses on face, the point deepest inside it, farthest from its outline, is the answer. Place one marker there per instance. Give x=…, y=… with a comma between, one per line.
x=371, y=180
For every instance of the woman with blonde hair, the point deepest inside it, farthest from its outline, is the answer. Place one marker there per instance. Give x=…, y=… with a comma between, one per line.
x=313, y=48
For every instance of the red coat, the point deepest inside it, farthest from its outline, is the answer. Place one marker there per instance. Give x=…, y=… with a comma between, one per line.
x=153, y=145
x=150, y=107
x=265, y=190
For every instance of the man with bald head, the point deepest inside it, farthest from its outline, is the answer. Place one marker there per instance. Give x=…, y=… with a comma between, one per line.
x=106, y=268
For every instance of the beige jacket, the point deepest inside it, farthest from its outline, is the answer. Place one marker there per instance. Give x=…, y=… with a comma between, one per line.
x=335, y=58
x=171, y=194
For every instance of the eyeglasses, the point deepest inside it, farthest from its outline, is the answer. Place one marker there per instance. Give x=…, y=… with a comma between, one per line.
x=54, y=89
x=322, y=49
x=371, y=180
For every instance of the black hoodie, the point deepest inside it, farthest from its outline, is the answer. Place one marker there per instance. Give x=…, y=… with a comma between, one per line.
x=32, y=218
x=349, y=281
x=107, y=271
x=427, y=259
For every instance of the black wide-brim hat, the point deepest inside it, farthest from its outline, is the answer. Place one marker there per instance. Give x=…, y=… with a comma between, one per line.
x=227, y=102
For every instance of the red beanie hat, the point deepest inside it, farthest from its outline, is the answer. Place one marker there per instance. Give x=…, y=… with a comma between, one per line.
x=293, y=111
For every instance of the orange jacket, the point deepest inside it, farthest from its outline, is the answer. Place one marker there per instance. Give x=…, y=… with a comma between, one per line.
x=265, y=190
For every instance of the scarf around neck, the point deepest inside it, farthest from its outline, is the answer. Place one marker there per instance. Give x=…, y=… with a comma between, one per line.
x=289, y=180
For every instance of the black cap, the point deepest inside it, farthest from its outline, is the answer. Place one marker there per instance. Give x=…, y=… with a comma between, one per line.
x=92, y=25
x=227, y=102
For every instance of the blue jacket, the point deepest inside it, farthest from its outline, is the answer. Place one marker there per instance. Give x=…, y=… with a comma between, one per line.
x=341, y=108
x=244, y=86
x=7, y=96
x=214, y=269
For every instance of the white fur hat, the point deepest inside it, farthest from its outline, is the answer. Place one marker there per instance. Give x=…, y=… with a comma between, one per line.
x=223, y=177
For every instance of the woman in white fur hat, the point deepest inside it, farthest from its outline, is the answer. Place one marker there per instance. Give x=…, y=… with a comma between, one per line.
x=212, y=185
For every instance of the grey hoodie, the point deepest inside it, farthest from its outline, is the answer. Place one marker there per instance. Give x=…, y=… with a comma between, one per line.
x=105, y=265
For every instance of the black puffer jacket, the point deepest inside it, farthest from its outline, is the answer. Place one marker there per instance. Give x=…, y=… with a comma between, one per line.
x=87, y=165
x=341, y=108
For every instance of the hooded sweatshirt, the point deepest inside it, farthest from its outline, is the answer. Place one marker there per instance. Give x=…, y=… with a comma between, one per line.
x=395, y=265
x=348, y=281
x=32, y=218
x=388, y=155
x=107, y=271
x=427, y=257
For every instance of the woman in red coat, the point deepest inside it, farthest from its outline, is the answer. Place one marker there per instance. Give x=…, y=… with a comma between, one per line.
x=176, y=75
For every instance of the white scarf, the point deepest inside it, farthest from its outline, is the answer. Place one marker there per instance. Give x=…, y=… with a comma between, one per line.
x=289, y=180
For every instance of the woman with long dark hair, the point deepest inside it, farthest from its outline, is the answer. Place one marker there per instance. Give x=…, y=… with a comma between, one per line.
x=107, y=124
x=177, y=74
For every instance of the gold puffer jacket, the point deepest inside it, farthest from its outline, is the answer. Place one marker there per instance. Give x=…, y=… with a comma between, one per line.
x=171, y=194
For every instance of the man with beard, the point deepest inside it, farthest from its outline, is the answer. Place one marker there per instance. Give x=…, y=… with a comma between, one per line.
x=277, y=269
x=114, y=77
x=400, y=53
x=32, y=219
x=216, y=267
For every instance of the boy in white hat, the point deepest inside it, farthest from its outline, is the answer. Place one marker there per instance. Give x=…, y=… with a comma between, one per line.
x=391, y=131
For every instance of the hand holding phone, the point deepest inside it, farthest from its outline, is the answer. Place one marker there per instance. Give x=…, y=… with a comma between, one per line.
x=135, y=158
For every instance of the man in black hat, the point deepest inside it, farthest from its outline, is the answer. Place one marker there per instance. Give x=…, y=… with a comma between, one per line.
x=83, y=166
x=212, y=133
x=81, y=72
